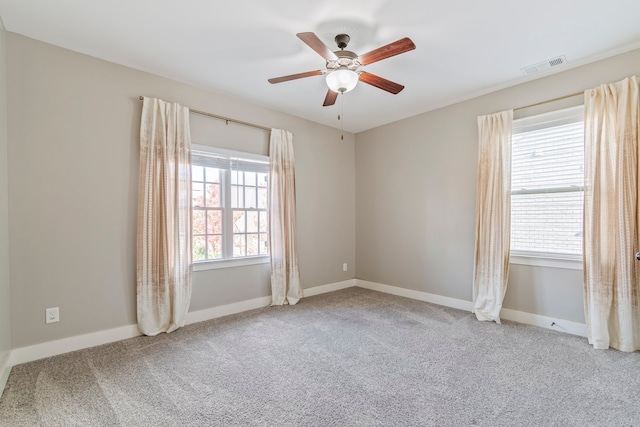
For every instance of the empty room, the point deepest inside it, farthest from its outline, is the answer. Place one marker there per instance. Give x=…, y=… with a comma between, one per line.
x=319, y=213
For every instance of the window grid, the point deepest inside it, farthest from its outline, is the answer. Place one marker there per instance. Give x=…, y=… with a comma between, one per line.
x=547, y=190
x=250, y=215
x=207, y=213
x=229, y=206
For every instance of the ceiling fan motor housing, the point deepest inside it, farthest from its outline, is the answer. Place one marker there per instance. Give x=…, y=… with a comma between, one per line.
x=342, y=40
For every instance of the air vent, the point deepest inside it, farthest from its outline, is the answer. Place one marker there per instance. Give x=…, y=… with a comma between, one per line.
x=553, y=62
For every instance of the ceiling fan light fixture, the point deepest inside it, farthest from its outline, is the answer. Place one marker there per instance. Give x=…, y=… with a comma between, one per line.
x=342, y=80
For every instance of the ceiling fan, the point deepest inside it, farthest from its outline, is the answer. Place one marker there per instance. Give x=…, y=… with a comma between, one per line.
x=342, y=68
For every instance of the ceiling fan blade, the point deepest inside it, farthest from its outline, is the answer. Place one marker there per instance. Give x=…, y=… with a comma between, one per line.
x=316, y=44
x=296, y=76
x=330, y=99
x=387, y=51
x=381, y=83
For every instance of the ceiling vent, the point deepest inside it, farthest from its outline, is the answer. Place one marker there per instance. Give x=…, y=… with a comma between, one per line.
x=541, y=66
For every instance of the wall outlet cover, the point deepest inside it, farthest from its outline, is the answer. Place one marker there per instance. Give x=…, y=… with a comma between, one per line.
x=52, y=315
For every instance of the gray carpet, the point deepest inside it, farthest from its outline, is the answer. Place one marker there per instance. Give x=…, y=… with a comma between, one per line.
x=349, y=358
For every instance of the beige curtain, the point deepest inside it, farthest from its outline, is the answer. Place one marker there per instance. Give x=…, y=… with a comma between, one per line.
x=611, y=216
x=164, y=217
x=493, y=215
x=285, y=277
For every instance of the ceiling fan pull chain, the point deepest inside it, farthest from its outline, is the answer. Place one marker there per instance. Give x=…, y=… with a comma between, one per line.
x=340, y=116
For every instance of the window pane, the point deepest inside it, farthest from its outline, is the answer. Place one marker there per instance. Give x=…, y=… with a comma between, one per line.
x=548, y=158
x=239, y=222
x=262, y=198
x=197, y=194
x=263, y=180
x=237, y=197
x=250, y=197
x=250, y=178
x=237, y=177
x=197, y=173
x=198, y=221
x=252, y=245
x=239, y=245
x=199, y=249
x=214, y=247
x=214, y=222
x=213, y=195
x=549, y=223
x=264, y=222
x=264, y=244
x=213, y=175
x=252, y=221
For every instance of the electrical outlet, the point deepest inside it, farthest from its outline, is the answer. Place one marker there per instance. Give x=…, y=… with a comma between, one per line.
x=52, y=315
x=344, y=267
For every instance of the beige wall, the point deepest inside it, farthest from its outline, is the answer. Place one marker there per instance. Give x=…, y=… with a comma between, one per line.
x=73, y=124
x=403, y=195
x=415, y=196
x=5, y=306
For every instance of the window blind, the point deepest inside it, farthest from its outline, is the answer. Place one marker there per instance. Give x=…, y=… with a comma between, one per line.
x=231, y=162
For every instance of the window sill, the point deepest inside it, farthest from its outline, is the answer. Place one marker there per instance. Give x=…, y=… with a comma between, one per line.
x=229, y=263
x=541, y=261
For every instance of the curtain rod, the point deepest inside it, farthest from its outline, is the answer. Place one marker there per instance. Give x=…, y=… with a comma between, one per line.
x=549, y=100
x=226, y=119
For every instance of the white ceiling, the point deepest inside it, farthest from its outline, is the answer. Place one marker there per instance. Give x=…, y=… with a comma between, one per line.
x=465, y=48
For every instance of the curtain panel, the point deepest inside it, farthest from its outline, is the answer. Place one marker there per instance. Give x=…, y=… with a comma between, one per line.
x=164, y=217
x=285, y=277
x=611, y=216
x=493, y=215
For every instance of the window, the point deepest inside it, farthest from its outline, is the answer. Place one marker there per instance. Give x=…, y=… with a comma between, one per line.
x=547, y=185
x=229, y=204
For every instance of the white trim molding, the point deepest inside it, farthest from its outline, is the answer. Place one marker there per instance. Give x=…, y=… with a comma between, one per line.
x=53, y=348
x=562, y=325
x=65, y=345
x=540, y=261
x=230, y=263
x=331, y=287
x=5, y=369
x=79, y=342
x=567, y=326
x=417, y=295
x=227, y=309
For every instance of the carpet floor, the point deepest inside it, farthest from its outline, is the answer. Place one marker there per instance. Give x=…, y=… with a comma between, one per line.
x=348, y=358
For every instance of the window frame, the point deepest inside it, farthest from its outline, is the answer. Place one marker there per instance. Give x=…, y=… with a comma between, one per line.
x=531, y=123
x=227, y=209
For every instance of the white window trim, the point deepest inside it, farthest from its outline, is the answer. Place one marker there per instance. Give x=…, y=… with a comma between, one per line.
x=229, y=263
x=214, y=264
x=553, y=261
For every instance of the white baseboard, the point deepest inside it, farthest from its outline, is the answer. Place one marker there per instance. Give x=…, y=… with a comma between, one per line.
x=5, y=369
x=65, y=345
x=226, y=310
x=79, y=342
x=323, y=289
x=567, y=326
x=417, y=295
